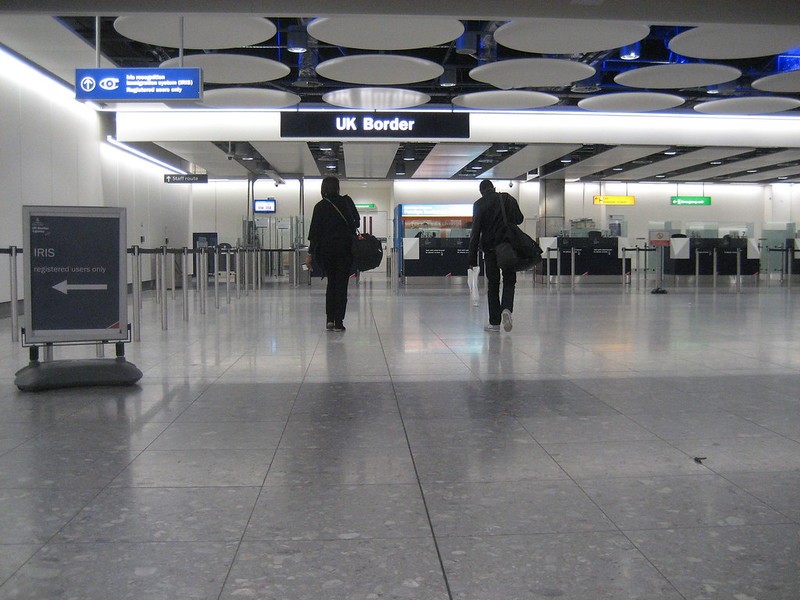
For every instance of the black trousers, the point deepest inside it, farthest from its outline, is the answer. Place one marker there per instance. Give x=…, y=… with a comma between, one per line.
x=498, y=302
x=337, y=260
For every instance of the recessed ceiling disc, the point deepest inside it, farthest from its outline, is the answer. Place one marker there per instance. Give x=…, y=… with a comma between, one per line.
x=381, y=32
x=735, y=41
x=784, y=83
x=568, y=36
x=505, y=100
x=684, y=75
x=249, y=98
x=232, y=68
x=200, y=31
x=375, y=98
x=631, y=102
x=531, y=72
x=759, y=105
x=379, y=69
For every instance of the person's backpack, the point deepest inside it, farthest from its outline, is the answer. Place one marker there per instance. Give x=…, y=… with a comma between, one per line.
x=518, y=251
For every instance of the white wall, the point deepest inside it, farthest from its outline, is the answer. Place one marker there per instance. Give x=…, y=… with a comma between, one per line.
x=52, y=153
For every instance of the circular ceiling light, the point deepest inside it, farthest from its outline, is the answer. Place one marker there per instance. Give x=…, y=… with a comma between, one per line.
x=232, y=68
x=631, y=102
x=376, y=98
x=784, y=83
x=675, y=76
x=568, y=36
x=249, y=98
x=385, y=32
x=759, y=105
x=735, y=41
x=505, y=100
x=200, y=31
x=379, y=69
x=531, y=72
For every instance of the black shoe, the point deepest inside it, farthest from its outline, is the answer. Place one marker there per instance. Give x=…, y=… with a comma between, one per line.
x=329, y=325
x=339, y=327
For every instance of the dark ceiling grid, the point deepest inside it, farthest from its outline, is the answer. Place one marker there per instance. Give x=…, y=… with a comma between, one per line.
x=303, y=81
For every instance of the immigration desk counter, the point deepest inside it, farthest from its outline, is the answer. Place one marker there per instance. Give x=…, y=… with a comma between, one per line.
x=432, y=240
x=699, y=256
x=592, y=254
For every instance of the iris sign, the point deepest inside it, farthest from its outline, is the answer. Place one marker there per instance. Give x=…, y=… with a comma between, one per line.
x=138, y=84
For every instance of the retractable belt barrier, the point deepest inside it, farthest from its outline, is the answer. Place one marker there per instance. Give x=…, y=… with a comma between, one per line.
x=170, y=264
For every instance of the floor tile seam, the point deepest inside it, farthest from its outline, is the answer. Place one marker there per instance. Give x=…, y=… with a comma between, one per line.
x=754, y=495
x=437, y=549
x=266, y=475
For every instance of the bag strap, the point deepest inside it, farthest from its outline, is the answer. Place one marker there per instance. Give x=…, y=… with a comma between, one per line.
x=503, y=209
x=341, y=214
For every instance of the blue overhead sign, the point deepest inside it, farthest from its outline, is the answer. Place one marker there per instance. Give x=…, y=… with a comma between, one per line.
x=138, y=84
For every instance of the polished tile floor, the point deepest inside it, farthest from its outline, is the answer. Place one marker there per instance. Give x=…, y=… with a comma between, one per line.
x=615, y=445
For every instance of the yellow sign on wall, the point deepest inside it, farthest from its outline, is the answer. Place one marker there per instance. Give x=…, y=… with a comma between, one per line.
x=615, y=200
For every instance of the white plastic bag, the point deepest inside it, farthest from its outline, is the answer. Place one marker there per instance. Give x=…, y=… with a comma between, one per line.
x=472, y=282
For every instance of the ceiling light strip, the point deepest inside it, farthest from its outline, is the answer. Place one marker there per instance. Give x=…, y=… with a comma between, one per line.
x=147, y=157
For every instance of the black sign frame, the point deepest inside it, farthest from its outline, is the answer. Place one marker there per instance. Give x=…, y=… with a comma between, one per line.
x=370, y=125
x=75, y=270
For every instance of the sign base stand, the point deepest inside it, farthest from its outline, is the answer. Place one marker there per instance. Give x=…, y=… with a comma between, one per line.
x=56, y=374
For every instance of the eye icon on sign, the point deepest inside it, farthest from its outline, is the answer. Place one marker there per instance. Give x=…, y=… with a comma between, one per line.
x=109, y=83
x=88, y=84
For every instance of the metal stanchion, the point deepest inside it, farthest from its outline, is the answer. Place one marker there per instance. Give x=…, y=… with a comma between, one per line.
x=738, y=269
x=12, y=269
x=558, y=268
x=246, y=270
x=203, y=264
x=714, y=267
x=238, y=273
x=227, y=275
x=216, y=276
x=173, y=276
x=163, y=273
x=157, y=277
x=137, y=294
x=572, y=267
x=185, y=282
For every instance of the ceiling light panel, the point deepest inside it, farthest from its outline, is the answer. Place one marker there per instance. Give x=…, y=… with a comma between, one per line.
x=380, y=32
x=677, y=163
x=718, y=41
x=631, y=102
x=676, y=76
x=568, y=36
x=369, y=160
x=248, y=98
x=375, y=98
x=747, y=105
x=379, y=69
x=529, y=158
x=445, y=160
x=531, y=72
x=200, y=31
x=505, y=100
x=742, y=165
x=232, y=68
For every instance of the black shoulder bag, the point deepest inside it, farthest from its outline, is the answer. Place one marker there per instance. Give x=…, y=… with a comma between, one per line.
x=367, y=249
x=518, y=251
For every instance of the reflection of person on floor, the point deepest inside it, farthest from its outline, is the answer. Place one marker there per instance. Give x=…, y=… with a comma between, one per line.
x=488, y=228
x=330, y=235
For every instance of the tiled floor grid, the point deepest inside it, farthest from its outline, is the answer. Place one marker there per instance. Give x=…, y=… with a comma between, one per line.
x=616, y=445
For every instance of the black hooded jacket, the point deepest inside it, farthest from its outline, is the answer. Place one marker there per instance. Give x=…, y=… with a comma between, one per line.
x=327, y=225
x=488, y=228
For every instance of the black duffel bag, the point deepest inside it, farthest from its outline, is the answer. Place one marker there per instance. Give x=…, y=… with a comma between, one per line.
x=518, y=251
x=367, y=252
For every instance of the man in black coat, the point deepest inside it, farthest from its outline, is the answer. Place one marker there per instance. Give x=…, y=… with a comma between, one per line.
x=488, y=230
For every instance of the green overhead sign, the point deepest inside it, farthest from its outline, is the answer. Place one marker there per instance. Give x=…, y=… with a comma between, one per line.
x=690, y=201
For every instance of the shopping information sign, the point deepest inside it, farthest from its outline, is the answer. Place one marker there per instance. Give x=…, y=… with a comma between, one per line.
x=138, y=84
x=75, y=274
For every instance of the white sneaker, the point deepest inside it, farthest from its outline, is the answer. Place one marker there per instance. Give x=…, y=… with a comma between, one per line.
x=492, y=328
x=507, y=321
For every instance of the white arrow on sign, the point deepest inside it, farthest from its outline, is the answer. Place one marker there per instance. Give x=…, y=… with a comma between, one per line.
x=65, y=287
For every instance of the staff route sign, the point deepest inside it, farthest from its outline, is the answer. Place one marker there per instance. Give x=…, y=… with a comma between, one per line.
x=75, y=274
